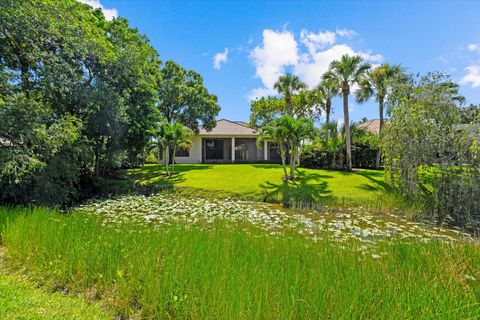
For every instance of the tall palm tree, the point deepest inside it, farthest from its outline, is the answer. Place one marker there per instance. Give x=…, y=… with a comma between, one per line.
x=347, y=71
x=287, y=85
x=377, y=83
x=328, y=89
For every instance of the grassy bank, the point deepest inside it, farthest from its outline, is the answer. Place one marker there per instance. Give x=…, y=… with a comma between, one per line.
x=256, y=182
x=238, y=271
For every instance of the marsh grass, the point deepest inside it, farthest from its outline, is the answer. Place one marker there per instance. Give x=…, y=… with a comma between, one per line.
x=239, y=272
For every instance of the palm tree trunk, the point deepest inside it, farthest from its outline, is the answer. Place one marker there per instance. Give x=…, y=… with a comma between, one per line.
x=328, y=106
x=347, y=130
x=292, y=161
x=167, y=161
x=288, y=102
x=284, y=165
x=380, y=109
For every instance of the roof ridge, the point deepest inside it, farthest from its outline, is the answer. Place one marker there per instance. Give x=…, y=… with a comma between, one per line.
x=235, y=122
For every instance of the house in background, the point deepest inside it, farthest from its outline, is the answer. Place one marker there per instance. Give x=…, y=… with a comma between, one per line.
x=228, y=142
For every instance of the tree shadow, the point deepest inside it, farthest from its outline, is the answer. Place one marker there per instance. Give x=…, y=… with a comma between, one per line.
x=148, y=179
x=376, y=177
x=308, y=191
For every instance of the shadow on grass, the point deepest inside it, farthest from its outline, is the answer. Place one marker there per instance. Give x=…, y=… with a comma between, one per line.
x=376, y=177
x=306, y=192
x=147, y=179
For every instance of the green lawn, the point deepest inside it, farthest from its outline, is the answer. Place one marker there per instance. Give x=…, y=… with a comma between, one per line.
x=20, y=299
x=263, y=181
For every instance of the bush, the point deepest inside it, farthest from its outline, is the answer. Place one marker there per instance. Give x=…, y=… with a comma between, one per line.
x=363, y=156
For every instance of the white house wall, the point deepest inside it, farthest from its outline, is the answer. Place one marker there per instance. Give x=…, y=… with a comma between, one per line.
x=195, y=155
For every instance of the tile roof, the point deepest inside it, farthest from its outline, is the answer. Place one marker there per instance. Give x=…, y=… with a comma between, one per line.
x=372, y=126
x=229, y=128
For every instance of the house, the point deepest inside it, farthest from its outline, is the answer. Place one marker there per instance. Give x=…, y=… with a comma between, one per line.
x=372, y=126
x=228, y=142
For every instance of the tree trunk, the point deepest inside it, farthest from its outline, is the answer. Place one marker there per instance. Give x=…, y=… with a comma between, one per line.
x=379, y=153
x=288, y=102
x=167, y=161
x=328, y=106
x=292, y=161
x=346, y=119
x=284, y=165
x=173, y=160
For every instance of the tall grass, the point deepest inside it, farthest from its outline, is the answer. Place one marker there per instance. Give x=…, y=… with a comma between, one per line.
x=239, y=272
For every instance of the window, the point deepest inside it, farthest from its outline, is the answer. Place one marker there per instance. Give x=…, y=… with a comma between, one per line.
x=182, y=152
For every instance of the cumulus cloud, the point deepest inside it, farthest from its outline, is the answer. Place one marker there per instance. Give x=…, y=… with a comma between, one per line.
x=278, y=50
x=345, y=33
x=220, y=58
x=108, y=13
x=472, y=76
x=315, y=41
x=309, y=58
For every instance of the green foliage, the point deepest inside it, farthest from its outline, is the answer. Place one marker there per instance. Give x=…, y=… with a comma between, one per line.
x=170, y=138
x=230, y=271
x=429, y=156
x=328, y=150
x=79, y=96
x=288, y=133
x=184, y=99
x=347, y=71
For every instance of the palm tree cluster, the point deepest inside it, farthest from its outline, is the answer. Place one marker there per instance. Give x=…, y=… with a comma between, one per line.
x=351, y=71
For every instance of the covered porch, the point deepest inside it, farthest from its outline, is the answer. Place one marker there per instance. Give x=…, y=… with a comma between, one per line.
x=236, y=150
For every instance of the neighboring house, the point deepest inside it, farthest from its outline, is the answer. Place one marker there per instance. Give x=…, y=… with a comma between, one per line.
x=228, y=142
x=372, y=126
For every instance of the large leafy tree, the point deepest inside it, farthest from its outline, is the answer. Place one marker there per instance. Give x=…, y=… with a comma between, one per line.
x=183, y=98
x=430, y=155
x=378, y=83
x=287, y=85
x=304, y=104
x=66, y=57
x=347, y=71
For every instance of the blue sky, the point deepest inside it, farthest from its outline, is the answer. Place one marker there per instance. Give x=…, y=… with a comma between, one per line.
x=256, y=41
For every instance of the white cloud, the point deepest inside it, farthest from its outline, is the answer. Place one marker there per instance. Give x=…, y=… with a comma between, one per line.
x=345, y=33
x=108, y=13
x=316, y=41
x=281, y=50
x=472, y=76
x=473, y=47
x=220, y=58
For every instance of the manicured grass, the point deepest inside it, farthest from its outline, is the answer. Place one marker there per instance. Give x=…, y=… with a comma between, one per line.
x=240, y=272
x=263, y=182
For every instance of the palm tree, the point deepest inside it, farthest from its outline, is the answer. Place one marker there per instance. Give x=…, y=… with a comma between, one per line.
x=287, y=85
x=278, y=134
x=288, y=133
x=378, y=83
x=347, y=71
x=328, y=89
x=172, y=137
